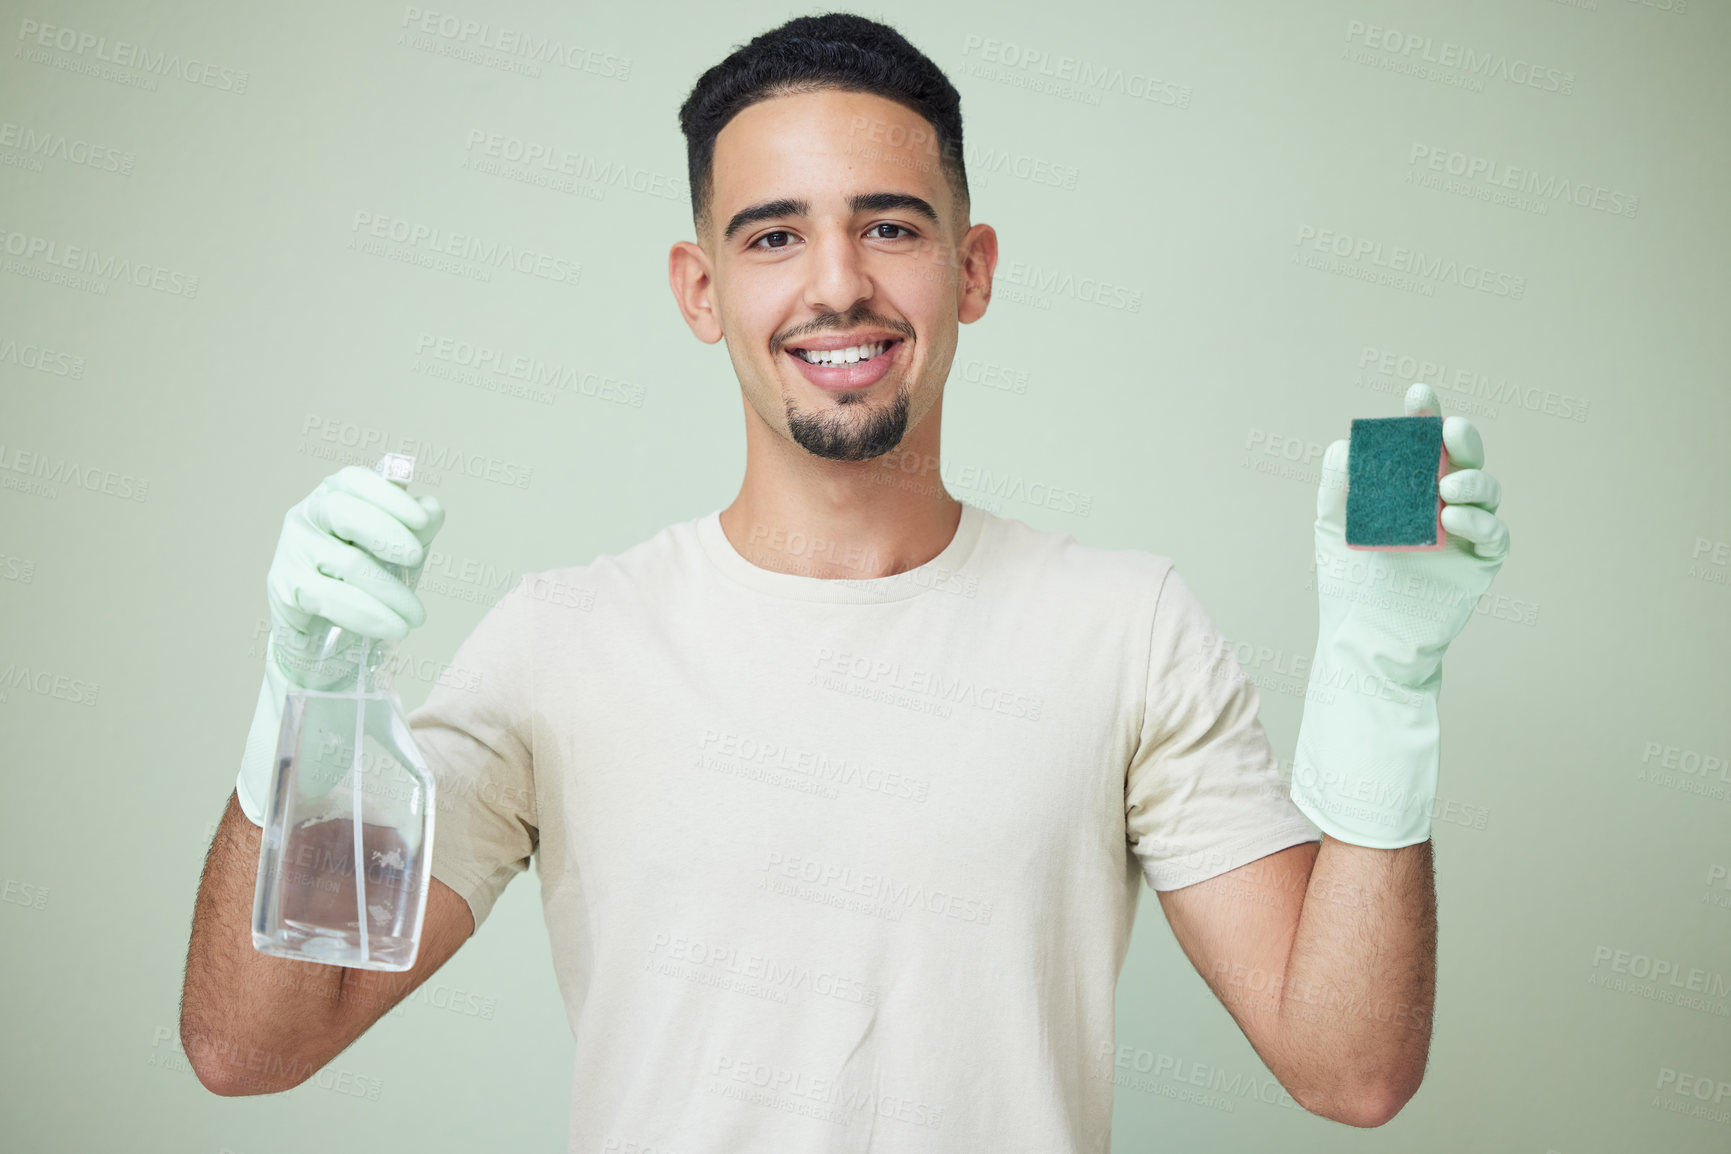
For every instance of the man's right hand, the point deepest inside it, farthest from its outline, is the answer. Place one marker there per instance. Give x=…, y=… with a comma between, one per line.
x=349, y=556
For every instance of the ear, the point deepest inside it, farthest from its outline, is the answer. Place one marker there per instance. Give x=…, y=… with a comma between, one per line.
x=693, y=288
x=978, y=256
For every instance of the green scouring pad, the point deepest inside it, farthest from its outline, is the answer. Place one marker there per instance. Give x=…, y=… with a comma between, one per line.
x=1393, y=465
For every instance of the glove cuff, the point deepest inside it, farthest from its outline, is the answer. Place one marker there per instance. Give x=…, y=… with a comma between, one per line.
x=252, y=783
x=1364, y=769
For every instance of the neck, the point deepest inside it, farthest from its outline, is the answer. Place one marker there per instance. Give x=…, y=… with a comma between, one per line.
x=802, y=514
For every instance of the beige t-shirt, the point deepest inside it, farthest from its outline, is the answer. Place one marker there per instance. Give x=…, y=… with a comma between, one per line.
x=847, y=865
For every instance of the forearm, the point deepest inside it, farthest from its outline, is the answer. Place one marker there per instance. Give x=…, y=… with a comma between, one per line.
x=245, y=1017
x=1360, y=983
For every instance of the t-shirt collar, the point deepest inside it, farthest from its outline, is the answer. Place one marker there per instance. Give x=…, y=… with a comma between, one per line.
x=941, y=571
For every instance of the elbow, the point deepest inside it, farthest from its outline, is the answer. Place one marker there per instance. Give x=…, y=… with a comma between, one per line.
x=1370, y=1112
x=221, y=1088
x=200, y=1053
x=215, y=1066
x=1390, y=1097
x=217, y=1076
x=213, y=1075
x=225, y=1084
x=1367, y=1106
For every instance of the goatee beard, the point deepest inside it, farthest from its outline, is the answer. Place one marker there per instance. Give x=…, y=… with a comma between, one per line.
x=844, y=436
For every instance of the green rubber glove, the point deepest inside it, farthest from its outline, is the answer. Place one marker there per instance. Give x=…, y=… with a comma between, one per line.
x=345, y=569
x=1369, y=744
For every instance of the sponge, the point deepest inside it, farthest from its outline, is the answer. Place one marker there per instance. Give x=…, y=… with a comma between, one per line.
x=1393, y=465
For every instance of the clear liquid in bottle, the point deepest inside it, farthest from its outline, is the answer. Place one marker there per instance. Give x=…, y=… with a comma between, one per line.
x=349, y=787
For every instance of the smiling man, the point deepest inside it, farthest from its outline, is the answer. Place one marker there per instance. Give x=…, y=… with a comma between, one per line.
x=837, y=265
x=842, y=795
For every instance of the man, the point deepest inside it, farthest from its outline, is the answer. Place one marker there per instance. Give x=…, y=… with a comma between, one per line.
x=842, y=795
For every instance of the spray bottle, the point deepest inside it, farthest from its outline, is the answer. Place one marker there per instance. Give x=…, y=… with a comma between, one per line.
x=345, y=859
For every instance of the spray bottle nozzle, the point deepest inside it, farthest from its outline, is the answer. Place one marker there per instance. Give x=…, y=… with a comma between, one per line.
x=396, y=467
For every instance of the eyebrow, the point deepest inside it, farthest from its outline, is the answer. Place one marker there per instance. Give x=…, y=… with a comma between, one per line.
x=861, y=202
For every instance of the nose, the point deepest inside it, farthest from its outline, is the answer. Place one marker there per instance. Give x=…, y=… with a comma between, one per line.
x=836, y=276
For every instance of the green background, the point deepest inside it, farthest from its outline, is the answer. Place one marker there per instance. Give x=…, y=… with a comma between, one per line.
x=1193, y=424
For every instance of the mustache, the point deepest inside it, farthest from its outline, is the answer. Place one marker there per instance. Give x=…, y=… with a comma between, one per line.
x=841, y=324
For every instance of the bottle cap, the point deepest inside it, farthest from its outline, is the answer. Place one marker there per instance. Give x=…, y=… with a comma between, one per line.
x=398, y=468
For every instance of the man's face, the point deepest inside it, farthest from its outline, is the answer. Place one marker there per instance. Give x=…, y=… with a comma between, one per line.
x=818, y=240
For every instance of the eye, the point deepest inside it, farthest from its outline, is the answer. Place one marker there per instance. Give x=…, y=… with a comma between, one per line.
x=887, y=224
x=759, y=241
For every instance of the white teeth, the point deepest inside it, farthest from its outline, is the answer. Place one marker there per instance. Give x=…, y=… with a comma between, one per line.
x=843, y=356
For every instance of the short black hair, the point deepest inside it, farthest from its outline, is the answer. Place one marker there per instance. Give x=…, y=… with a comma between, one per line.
x=835, y=50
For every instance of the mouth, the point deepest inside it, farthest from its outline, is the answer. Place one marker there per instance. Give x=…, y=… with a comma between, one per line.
x=849, y=356
x=854, y=367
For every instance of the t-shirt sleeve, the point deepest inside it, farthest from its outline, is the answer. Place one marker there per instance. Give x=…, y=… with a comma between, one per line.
x=474, y=729
x=1203, y=792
